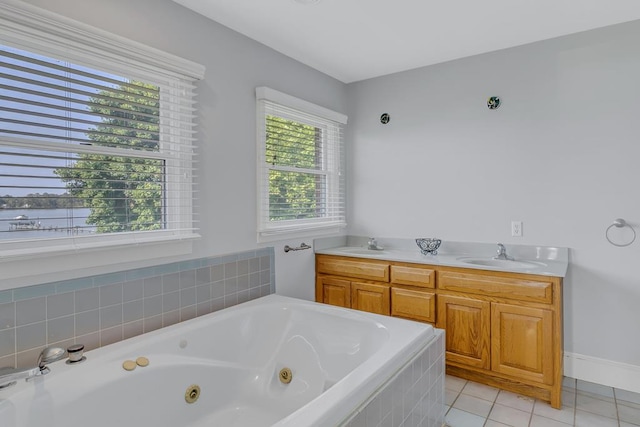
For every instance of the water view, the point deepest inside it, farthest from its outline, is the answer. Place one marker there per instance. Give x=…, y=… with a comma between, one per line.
x=43, y=223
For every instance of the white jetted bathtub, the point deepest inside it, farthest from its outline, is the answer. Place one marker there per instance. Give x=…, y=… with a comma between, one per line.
x=338, y=360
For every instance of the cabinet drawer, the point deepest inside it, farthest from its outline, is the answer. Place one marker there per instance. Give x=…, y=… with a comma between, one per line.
x=504, y=287
x=413, y=276
x=413, y=304
x=350, y=268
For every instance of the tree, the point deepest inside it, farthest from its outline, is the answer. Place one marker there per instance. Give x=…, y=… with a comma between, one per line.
x=123, y=193
x=292, y=194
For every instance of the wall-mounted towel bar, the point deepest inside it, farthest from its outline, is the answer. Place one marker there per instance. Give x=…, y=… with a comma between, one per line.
x=302, y=247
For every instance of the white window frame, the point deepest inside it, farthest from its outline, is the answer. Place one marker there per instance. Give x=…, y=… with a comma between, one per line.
x=334, y=166
x=32, y=29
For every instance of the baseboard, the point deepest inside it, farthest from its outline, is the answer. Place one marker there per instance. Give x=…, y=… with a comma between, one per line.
x=602, y=371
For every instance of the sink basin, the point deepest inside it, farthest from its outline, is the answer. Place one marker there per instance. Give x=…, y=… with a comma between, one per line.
x=502, y=263
x=364, y=251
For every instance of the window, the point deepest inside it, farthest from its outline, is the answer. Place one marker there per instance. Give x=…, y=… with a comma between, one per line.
x=96, y=137
x=301, y=176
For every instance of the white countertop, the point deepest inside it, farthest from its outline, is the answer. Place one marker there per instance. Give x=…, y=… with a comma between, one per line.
x=540, y=260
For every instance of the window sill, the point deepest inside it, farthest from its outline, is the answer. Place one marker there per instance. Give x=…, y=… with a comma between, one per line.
x=278, y=235
x=51, y=263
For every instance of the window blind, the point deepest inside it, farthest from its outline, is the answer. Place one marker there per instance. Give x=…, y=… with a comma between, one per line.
x=93, y=151
x=301, y=165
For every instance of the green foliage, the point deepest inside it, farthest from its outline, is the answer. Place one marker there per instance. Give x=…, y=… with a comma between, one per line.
x=293, y=194
x=122, y=193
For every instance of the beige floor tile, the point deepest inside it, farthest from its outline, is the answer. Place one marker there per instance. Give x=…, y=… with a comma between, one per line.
x=597, y=406
x=569, y=397
x=473, y=405
x=458, y=418
x=563, y=415
x=629, y=414
x=593, y=388
x=595, y=396
x=538, y=421
x=627, y=396
x=588, y=405
x=454, y=383
x=587, y=419
x=480, y=390
x=514, y=400
x=450, y=396
x=568, y=382
x=510, y=416
x=595, y=391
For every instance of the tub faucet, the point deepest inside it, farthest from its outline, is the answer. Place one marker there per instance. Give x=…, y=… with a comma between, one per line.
x=9, y=376
x=372, y=245
x=501, y=253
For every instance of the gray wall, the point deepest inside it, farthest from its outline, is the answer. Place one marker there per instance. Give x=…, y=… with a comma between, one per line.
x=561, y=154
x=235, y=65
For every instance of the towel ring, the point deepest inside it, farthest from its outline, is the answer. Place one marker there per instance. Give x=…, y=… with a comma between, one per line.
x=620, y=223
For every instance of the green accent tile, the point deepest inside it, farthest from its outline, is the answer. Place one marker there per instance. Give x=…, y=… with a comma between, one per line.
x=33, y=292
x=74, y=285
x=263, y=252
x=140, y=273
x=214, y=261
x=159, y=270
x=229, y=258
x=6, y=296
x=189, y=265
x=109, y=279
x=246, y=255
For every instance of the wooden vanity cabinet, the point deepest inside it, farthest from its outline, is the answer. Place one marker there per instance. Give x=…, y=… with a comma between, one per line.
x=413, y=304
x=522, y=342
x=467, y=322
x=504, y=338
x=502, y=329
x=370, y=297
x=339, y=282
x=413, y=292
x=334, y=291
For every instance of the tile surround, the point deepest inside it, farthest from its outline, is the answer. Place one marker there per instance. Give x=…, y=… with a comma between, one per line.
x=103, y=309
x=412, y=398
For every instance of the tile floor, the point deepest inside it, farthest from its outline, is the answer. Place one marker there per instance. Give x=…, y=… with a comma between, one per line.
x=584, y=404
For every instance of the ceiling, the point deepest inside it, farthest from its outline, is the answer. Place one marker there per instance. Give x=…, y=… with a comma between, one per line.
x=354, y=40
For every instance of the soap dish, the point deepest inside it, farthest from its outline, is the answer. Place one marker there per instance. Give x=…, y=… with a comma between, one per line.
x=428, y=245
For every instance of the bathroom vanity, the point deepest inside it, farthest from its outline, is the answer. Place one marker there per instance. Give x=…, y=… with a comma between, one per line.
x=503, y=328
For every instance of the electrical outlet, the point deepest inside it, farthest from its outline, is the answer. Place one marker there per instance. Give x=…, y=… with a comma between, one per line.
x=516, y=228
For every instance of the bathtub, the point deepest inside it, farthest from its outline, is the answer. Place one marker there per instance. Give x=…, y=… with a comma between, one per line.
x=340, y=362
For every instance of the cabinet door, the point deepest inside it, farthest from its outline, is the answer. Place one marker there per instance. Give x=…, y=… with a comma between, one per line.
x=522, y=342
x=467, y=325
x=334, y=291
x=370, y=297
x=415, y=305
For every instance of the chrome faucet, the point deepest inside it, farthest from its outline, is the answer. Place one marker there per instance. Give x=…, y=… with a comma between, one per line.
x=372, y=245
x=10, y=376
x=501, y=253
